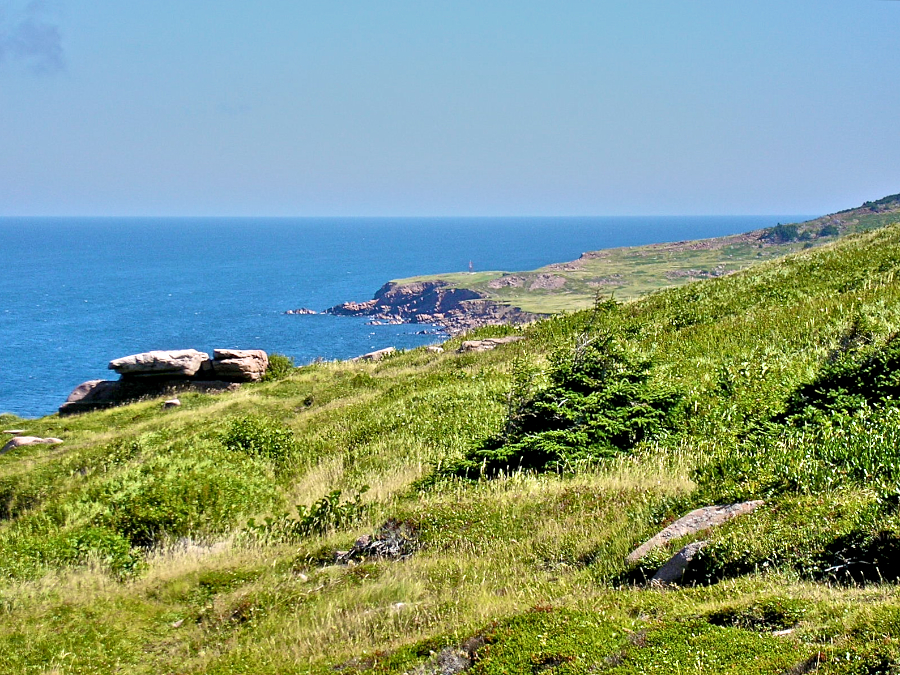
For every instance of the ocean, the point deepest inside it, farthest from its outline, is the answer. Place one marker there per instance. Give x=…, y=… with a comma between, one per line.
x=78, y=292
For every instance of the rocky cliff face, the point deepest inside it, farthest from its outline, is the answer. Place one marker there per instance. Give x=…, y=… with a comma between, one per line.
x=433, y=302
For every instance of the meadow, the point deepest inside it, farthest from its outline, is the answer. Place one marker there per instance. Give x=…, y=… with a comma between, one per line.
x=203, y=539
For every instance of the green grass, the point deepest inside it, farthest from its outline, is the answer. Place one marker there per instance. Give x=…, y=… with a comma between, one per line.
x=127, y=548
x=633, y=272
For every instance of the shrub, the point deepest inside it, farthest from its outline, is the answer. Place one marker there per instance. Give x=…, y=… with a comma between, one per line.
x=259, y=437
x=858, y=374
x=600, y=401
x=326, y=514
x=280, y=366
x=781, y=234
x=178, y=496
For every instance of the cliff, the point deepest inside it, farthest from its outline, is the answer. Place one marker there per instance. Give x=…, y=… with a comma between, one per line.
x=434, y=302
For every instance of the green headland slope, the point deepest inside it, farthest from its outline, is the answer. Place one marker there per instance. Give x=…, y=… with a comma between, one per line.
x=631, y=272
x=241, y=533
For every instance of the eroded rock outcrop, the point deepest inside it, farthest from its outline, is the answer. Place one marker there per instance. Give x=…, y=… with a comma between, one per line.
x=435, y=302
x=488, y=344
x=376, y=355
x=166, y=373
x=240, y=365
x=177, y=363
x=698, y=520
x=675, y=567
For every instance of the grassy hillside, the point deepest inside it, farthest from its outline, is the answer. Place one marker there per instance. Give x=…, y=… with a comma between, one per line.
x=130, y=548
x=632, y=272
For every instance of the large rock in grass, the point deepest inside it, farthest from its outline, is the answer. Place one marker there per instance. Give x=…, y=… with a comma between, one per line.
x=674, y=569
x=240, y=365
x=376, y=355
x=92, y=395
x=488, y=344
x=698, y=520
x=101, y=394
x=20, y=441
x=175, y=363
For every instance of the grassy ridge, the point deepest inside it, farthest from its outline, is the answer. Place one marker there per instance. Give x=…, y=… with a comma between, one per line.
x=127, y=548
x=632, y=272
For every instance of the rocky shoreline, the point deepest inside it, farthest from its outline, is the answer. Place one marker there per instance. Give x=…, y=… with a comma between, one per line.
x=455, y=310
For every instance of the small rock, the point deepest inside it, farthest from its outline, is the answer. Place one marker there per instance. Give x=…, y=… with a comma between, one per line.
x=305, y=311
x=696, y=521
x=171, y=403
x=177, y=624
x=14, y=432
x=376, y=355
x=435, y=349
x=782, y=633
x=488, y=344
x=395, y=539
x=20, y=441
x=674, y=569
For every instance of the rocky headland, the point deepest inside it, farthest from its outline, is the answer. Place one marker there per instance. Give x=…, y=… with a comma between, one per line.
x=438, y=303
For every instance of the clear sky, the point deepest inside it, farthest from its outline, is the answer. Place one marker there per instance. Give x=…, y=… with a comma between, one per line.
x=447, y=107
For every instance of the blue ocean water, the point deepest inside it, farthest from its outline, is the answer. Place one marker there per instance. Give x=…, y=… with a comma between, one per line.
x=77, y=292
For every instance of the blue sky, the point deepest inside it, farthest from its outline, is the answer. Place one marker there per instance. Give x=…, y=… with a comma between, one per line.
x=292, y=108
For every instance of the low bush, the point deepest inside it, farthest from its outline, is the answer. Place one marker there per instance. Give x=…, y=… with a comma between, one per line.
x=326, y=514
x=280, y=366
x=600, y=400
x=858, y=374
x=782, y=233
x=259, y=437
x=178, y=496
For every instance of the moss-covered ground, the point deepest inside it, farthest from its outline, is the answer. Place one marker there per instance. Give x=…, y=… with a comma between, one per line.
x=128, y=548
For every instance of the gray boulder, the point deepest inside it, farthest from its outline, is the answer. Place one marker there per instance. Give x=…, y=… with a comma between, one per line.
x=175, y=363
x=20, y=441
x=100, y=394
x=376, y=355
x=674, y=569
x=91, y=395
x=696, y=521
x=240, y=365
x=488, y=344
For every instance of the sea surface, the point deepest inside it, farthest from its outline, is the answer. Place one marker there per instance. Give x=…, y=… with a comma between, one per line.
x=77, y=292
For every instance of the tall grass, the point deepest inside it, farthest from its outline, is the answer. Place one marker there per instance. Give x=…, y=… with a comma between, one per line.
x=126, y=548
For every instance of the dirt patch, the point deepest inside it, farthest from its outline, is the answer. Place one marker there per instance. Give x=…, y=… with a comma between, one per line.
x=547, y=282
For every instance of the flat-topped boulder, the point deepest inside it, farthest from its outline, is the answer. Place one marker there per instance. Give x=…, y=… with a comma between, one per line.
x=20, y=441
x=488, y=344
x=174, y=363
x=376, y=355
x=240, y=365
x=166, y=373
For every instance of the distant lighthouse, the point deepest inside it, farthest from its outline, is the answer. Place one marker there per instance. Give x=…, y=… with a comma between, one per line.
x=471, y=267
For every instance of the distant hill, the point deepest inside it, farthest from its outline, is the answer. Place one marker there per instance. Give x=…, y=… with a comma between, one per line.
x=624, y=273
x=493, y=506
